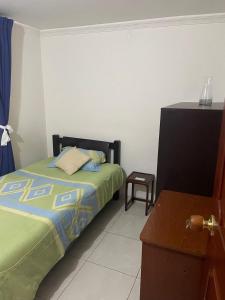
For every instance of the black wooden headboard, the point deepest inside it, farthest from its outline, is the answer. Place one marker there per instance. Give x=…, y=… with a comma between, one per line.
x=106, y=147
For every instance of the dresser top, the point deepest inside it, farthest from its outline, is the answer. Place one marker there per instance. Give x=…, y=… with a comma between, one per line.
x=166, y=225
x=195, y=105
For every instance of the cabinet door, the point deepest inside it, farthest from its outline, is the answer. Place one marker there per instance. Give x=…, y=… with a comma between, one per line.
x=188, y=145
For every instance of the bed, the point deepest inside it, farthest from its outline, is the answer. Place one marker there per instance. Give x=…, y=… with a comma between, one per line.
x=43, y=210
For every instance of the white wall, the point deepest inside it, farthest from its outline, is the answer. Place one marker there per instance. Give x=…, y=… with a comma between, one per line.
x=27, y=115
x=111, y=85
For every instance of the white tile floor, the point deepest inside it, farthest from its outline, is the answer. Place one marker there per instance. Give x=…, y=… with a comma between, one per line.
x=104, y=262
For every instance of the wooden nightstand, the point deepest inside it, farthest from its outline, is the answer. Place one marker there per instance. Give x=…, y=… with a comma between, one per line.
x=144, y=179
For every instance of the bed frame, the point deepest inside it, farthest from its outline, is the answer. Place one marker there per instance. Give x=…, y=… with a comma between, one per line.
x=108, y=148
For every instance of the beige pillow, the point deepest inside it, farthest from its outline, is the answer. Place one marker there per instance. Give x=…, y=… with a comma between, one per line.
x=72, y=161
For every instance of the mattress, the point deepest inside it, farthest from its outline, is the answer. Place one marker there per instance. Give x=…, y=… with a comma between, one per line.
x=42, y=210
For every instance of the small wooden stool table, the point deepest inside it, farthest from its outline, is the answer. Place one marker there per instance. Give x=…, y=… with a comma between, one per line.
x=142, y=179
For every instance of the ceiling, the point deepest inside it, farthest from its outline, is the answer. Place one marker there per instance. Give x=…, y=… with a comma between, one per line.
x=46, y=14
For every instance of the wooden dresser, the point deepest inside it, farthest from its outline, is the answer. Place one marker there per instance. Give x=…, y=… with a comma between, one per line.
x=188, y=146
x=173, y=258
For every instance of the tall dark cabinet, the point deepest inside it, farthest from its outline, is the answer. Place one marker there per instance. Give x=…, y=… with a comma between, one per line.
x=188, y=145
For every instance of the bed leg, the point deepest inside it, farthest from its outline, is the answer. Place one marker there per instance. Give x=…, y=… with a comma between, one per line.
x=116, y=195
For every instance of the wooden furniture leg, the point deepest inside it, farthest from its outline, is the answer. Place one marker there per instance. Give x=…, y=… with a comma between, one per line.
x=147, y=205
x=126, y=195
x=132, y=196
x=116, y=195
x=152, y=193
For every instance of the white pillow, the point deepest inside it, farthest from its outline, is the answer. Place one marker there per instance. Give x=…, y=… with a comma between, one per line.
x=72, y=161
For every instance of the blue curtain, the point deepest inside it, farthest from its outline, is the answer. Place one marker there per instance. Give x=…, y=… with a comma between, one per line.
x=6, y=154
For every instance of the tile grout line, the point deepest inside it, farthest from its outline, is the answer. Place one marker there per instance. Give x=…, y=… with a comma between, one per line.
x=132, y=276
x=116, y=217
x=131, y=289
x=96, y=246
x=134, y=283
x=71, y=280
x=128, y=237
x=85, y=260
x=120, y=213
x=138, y=273
x=91, y=262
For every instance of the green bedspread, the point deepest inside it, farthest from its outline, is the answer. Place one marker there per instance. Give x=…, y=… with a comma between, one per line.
x=42, y=210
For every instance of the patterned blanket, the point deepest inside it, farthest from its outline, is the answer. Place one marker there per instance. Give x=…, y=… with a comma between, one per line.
x=41, y=212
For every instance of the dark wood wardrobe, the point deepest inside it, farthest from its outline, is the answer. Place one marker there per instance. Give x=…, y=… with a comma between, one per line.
x=188, y=145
